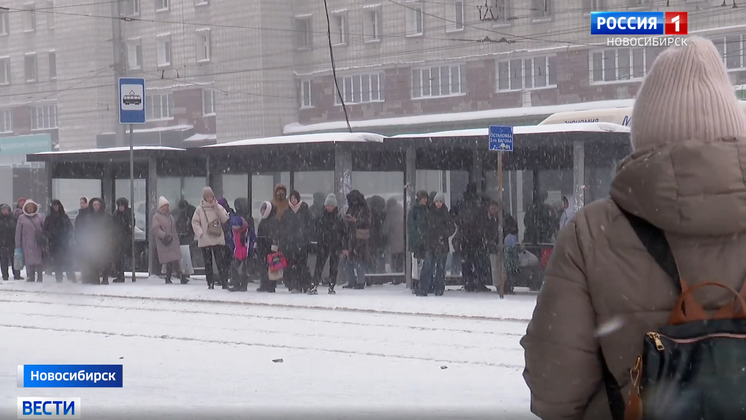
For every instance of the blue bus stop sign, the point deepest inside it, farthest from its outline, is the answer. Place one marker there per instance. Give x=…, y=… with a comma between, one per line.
x=501, y=138
x=131, y=100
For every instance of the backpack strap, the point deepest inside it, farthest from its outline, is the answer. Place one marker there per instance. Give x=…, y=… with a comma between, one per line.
x=656, y=244
x=654, y=240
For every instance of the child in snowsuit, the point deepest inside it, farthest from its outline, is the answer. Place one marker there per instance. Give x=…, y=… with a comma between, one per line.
x=242, y=239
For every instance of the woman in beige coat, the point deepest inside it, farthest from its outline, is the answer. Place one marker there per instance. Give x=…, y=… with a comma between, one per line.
x=167, y=240
x=602, y=290
x=208, y=223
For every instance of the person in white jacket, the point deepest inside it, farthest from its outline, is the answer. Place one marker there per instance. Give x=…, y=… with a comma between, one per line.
x=208, y=223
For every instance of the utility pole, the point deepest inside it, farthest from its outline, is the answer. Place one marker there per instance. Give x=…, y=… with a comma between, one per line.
x=118, y=65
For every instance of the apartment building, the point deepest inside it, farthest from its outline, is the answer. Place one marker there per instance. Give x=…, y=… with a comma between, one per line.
x=229, y=70
x=419, y=58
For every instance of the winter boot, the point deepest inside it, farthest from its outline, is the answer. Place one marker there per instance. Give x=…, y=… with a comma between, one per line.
x=312, y=291
x=331, y=290
x=105, y=280
x=184, y=279
x=168, y=280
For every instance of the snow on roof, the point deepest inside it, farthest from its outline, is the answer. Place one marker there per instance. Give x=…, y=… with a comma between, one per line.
x=181, y=127
x=529, y=129
x=110, y=149
x=458, y=116
x=306, y=138
x=202, y=137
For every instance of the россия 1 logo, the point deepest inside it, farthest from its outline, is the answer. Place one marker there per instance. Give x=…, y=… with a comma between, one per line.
x=639, y=23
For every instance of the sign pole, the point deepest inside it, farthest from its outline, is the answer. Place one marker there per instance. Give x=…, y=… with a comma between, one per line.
x=132, y=111
x=501, y=228
x=133, y=264
x=500, y=140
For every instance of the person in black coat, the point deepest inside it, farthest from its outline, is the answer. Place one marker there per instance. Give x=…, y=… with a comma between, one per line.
x=470, y=214
x=94, y=239
x=295, y=242
x=59, y=231
x=355, y=247
x=330, y=231
x=440, y=227
x=7, y=242
x=267, y=235
x=122, y=240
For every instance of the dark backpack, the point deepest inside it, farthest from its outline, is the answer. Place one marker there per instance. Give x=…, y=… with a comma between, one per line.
x=694, y=367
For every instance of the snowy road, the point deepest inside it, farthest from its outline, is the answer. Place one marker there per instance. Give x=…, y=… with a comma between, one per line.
x=217, y=359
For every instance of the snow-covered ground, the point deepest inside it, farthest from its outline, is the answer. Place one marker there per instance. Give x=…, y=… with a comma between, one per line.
x=189, y=352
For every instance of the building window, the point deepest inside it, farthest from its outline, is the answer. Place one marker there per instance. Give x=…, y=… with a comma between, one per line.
x=361, y=88
x=129, y=8
x=204, y=48
x=304, y=36
x=372, y=24
x=163, y=50
x=6, y=121
x=4, y=70
x=593, y=5
x=620, y=64
x=306, y=94
x=454, y=15
x=339, y=28
x=30, y=69
x=541, y=9
x=159, y=107
x=49, y=6
x=134, y=54
x=161, y=5
x=44, y=117
x=29, y=18
x=730, y=48
x=415, y=18
x=4, y=23
x=208, y=102
x=432, y=82
x=741, y=94
x=527, y=73
x=52, y=65
x=201, y=2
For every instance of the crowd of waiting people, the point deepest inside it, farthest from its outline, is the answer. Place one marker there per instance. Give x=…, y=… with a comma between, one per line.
x=234, y=249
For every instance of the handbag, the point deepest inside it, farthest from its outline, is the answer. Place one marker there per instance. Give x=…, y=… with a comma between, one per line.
x=167, y=240
x=214, y=228
x=276, y=261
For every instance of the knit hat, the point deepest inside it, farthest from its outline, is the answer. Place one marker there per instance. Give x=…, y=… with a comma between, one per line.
x=686, y=95
x=439, y=197
x=223, y=202
x=207, y=192
x=331, y=200
x=162, y=201
x=265, y=209
x=422, y=194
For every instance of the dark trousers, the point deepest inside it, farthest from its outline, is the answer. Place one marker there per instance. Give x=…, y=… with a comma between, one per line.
x=6, y=263
x=173, y=267
x=35, y=273
x=59, y=264
x=433, y=276
x=297, y=275
x=93, y=273
x=240, y=274
x=215, y=255
x=475, y=269
x=322, y=253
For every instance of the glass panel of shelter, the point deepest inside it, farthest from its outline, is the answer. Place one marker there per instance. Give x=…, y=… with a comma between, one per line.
x=532, y=177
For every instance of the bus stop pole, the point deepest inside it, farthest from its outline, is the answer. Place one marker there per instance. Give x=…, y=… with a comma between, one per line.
x=501, y=225
x=133, y=264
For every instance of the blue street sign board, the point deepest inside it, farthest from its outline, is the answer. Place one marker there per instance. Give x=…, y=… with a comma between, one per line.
x=501, y=138
x=131, y=100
